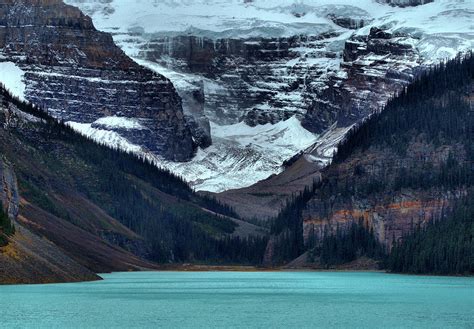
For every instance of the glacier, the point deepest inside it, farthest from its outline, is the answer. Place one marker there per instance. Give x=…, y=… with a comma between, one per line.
x=239, y=156
x=243, y=154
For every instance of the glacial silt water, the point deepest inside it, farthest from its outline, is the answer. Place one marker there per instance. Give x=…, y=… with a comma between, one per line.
x=243, y=300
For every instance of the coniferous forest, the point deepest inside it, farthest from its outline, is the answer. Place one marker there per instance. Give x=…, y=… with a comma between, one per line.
x=445, y=246
x=434, y=111
x=340, y=248
x=177, y=224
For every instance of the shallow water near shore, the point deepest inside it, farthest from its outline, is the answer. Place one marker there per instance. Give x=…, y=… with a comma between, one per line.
x=243, y=300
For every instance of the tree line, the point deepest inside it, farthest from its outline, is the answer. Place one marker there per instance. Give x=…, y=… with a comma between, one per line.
x=174, y=227
x=435, y=109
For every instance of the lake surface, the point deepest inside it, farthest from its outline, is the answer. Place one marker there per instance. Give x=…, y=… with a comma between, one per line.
x=243, y=300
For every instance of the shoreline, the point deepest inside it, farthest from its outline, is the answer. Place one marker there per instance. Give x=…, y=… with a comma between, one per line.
x=249, y=268
x=235, y=268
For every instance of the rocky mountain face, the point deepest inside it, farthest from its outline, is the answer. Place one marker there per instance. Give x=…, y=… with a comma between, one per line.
x=391, y=217
x=401, y=169
x=9, y=195
x=267, y=80
x=405, y=3
x=329, y=64
x=256, y=84
x=376, y=67
x=78, y=74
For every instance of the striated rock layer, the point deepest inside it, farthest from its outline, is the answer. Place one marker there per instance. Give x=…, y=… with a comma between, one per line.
x=328, y=63
x=79, y=75
x=390, y=219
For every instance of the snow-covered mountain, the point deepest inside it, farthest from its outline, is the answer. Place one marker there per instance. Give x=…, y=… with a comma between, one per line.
x=51, y=55
x=264, y=80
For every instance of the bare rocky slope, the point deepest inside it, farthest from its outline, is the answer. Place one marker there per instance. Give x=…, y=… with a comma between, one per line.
x=80, y=75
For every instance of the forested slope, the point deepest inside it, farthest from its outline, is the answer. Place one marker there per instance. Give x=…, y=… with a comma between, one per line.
x=107, y=209
x=402, y=169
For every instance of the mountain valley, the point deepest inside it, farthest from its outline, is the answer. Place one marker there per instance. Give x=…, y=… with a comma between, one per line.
x=218, y=133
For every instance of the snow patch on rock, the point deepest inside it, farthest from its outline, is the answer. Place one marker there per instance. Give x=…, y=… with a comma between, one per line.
x=115, y=122
x=106, y=137
x=11, y=76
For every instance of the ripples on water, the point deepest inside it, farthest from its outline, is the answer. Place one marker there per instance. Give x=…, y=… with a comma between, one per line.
x=243, y=300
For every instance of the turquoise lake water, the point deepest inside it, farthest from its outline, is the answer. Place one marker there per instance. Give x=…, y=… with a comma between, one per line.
x=243, y=300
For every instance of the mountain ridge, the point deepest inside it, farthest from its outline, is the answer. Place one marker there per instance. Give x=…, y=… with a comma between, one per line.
x=330, y=64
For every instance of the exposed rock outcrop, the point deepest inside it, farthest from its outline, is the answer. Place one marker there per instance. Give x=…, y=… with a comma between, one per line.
x=390, y=218
x=375, y=67
x=78, y=74
x=9, y=195
x=405, y=3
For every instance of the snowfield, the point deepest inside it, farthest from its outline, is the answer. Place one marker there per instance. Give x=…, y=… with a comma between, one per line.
x=119, y=123
x=106, y=137
x=11, y=76
x=242, y=155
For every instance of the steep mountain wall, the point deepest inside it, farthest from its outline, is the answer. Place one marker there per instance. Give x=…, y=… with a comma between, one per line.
x=79, y=75
x=267, y=80
x=328, y=63
x=255, y=83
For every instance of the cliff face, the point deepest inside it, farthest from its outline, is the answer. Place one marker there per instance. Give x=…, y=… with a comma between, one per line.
x=79, y=75
x=267, y=80
x=391, y=218
x=374, y=68
x=9, y=190
x=254, y=82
